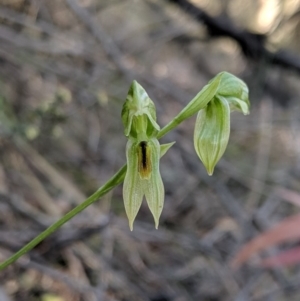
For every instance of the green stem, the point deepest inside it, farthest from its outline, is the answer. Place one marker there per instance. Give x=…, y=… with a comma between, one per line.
x=170, y=126
x=184, y=114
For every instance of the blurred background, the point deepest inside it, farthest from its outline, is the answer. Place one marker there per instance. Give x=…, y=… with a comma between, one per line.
x=65, y=69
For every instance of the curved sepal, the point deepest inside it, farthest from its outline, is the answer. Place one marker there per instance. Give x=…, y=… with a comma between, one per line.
x=235, y=91
x=138, y=104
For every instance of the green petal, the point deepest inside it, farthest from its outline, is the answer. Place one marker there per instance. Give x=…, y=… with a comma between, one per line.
x=237, y=104
x=212, y=131
x=235, y=91
x=153, y=187
x=132, y=187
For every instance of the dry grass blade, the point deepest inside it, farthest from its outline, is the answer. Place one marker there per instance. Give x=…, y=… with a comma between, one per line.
x=56, y=177
x=286, y=230
x=288, y=195
x=283, y=259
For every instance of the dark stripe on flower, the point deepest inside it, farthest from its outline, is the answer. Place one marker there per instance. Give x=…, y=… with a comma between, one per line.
x=144, y=160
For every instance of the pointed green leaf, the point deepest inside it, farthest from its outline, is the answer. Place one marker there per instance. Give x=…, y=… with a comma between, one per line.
x=212, y=131
x=132, y=187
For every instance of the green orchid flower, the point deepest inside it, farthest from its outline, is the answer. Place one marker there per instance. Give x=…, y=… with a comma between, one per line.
x=143, y=153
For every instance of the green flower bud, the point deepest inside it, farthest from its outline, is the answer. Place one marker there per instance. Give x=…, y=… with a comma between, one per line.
x=143, y=178
x=138, y=113
x=212, y=128
x=212, y=131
